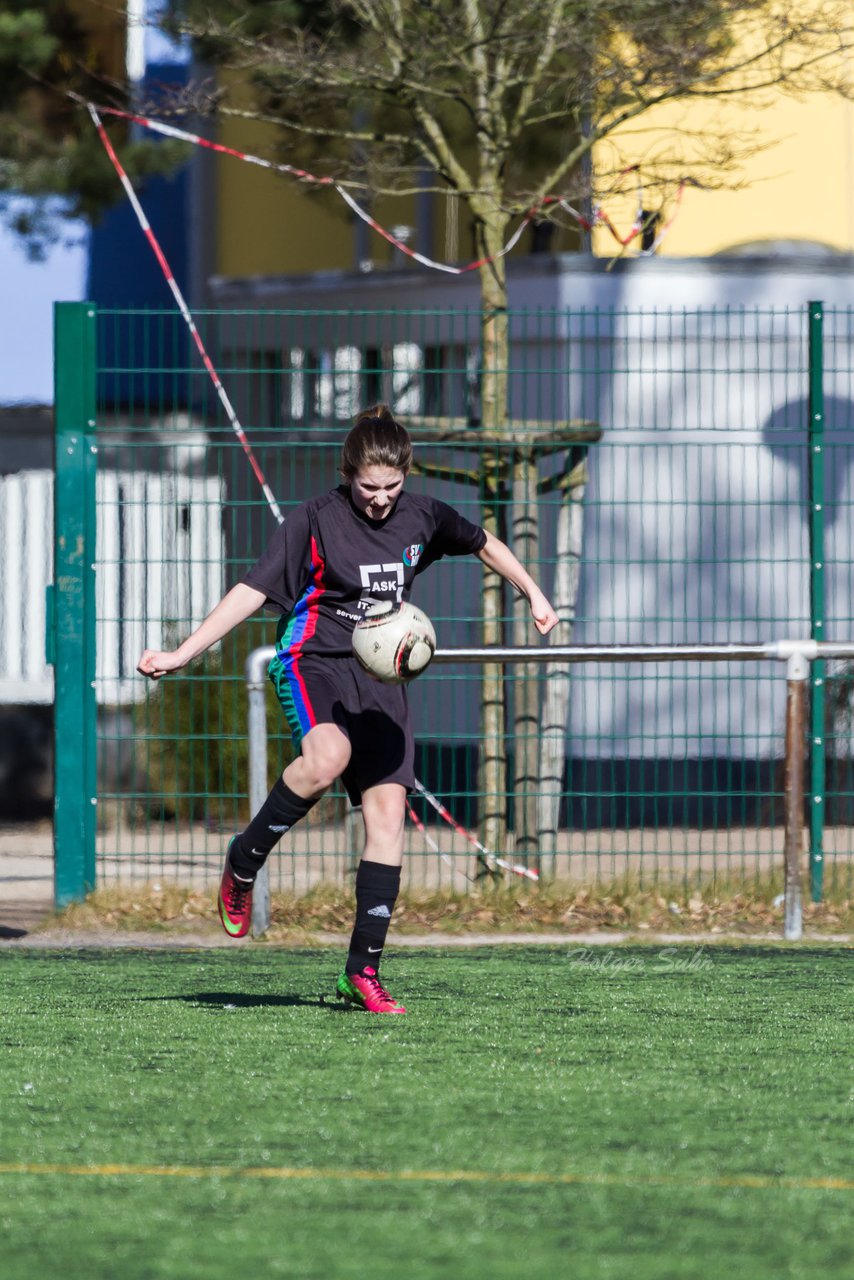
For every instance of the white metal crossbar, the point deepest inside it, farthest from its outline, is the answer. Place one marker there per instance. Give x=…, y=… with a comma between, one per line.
x=797, y=654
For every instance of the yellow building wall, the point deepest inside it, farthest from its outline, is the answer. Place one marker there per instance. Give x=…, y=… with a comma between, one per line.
x=265, y=223
x=107, y=30
x=272, y=224
x=793, y=181
x=798, y=183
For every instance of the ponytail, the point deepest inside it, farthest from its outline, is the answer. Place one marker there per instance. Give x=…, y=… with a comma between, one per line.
x=376, y=441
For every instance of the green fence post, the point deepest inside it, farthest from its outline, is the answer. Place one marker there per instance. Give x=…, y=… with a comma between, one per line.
x=815, y=437
x=72, y=644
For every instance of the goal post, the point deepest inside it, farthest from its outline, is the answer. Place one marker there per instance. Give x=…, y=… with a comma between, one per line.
x=798, y=655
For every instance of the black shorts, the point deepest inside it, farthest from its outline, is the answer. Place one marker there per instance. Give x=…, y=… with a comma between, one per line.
x=373, y=716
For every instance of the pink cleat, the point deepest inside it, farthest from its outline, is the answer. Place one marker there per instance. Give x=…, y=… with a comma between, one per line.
x=366, y=990
x=235, y=902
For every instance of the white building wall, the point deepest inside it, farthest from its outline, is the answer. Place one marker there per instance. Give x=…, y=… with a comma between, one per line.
x=160, y=560
x=696, y=516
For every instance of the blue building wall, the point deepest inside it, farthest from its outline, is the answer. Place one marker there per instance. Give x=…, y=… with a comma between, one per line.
x=124, y=273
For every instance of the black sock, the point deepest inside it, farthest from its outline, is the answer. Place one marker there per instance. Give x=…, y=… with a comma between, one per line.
x=281, y=810
x=376, y=893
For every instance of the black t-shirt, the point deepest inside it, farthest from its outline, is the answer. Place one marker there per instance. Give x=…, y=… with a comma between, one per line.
x=329, y=563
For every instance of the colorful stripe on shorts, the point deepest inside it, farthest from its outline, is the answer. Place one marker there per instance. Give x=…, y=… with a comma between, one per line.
x=300, y=627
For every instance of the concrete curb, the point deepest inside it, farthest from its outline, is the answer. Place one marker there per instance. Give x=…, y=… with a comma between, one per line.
x=156, y=940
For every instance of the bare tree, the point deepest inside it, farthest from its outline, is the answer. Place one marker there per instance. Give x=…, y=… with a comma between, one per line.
x=571, y=484
x=502, y=103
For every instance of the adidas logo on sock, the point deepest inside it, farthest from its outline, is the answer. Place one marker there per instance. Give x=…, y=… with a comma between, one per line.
x=278, y=830
x=381, y=910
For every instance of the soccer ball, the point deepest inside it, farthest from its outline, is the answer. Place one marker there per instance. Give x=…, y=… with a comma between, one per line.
x=394, y=643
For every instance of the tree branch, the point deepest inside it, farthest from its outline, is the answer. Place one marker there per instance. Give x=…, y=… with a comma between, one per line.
x=347, y=135
x=438, y=471
x=442, y=157
x=534, y=77
x=515, y=435
x=479, y=64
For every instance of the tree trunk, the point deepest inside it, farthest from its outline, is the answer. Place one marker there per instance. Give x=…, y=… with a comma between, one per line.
x=526, y=693
x=492, y=780
x=556, y=691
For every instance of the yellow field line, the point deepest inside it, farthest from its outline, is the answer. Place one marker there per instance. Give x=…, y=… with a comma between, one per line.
x=749, y=1181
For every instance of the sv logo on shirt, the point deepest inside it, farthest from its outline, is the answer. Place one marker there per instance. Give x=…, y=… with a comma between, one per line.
x=382, y=582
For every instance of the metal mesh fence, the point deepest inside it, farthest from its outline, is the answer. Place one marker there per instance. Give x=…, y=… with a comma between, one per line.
x=675, y=503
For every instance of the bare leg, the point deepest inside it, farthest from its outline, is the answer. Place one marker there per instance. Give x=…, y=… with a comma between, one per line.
x=325, y=755
x=384, y=812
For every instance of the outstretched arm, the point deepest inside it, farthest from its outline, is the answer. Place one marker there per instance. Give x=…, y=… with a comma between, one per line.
x=240, y=603
x=496, y=555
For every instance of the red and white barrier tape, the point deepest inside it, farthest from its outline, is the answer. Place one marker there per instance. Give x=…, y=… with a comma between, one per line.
x=641, y=216
x=599, y=217
x=515, y=867
x=489, y=857
x=431, y=843
x=185, y=312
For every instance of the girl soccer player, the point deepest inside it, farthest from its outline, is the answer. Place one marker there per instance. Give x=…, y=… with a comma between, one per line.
x=334, y=558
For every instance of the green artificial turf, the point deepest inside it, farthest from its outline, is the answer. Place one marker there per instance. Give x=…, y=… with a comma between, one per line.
x=630, y=1114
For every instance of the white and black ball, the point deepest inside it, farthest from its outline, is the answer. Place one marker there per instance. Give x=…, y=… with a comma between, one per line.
x=394, y=643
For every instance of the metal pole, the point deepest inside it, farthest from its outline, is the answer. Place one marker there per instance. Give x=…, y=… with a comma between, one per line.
x=797, y=673
x=776, y=650
x=74, y=602
x=257, y=733
x=815, y=444
x=614, y=653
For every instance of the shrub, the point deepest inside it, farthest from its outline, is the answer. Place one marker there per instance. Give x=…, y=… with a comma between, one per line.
x=193, y=746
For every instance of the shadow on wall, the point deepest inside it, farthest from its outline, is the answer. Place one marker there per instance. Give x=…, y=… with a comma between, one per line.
x=784, y=435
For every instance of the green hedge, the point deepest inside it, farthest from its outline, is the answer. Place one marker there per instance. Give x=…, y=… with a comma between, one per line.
x=193, y=748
